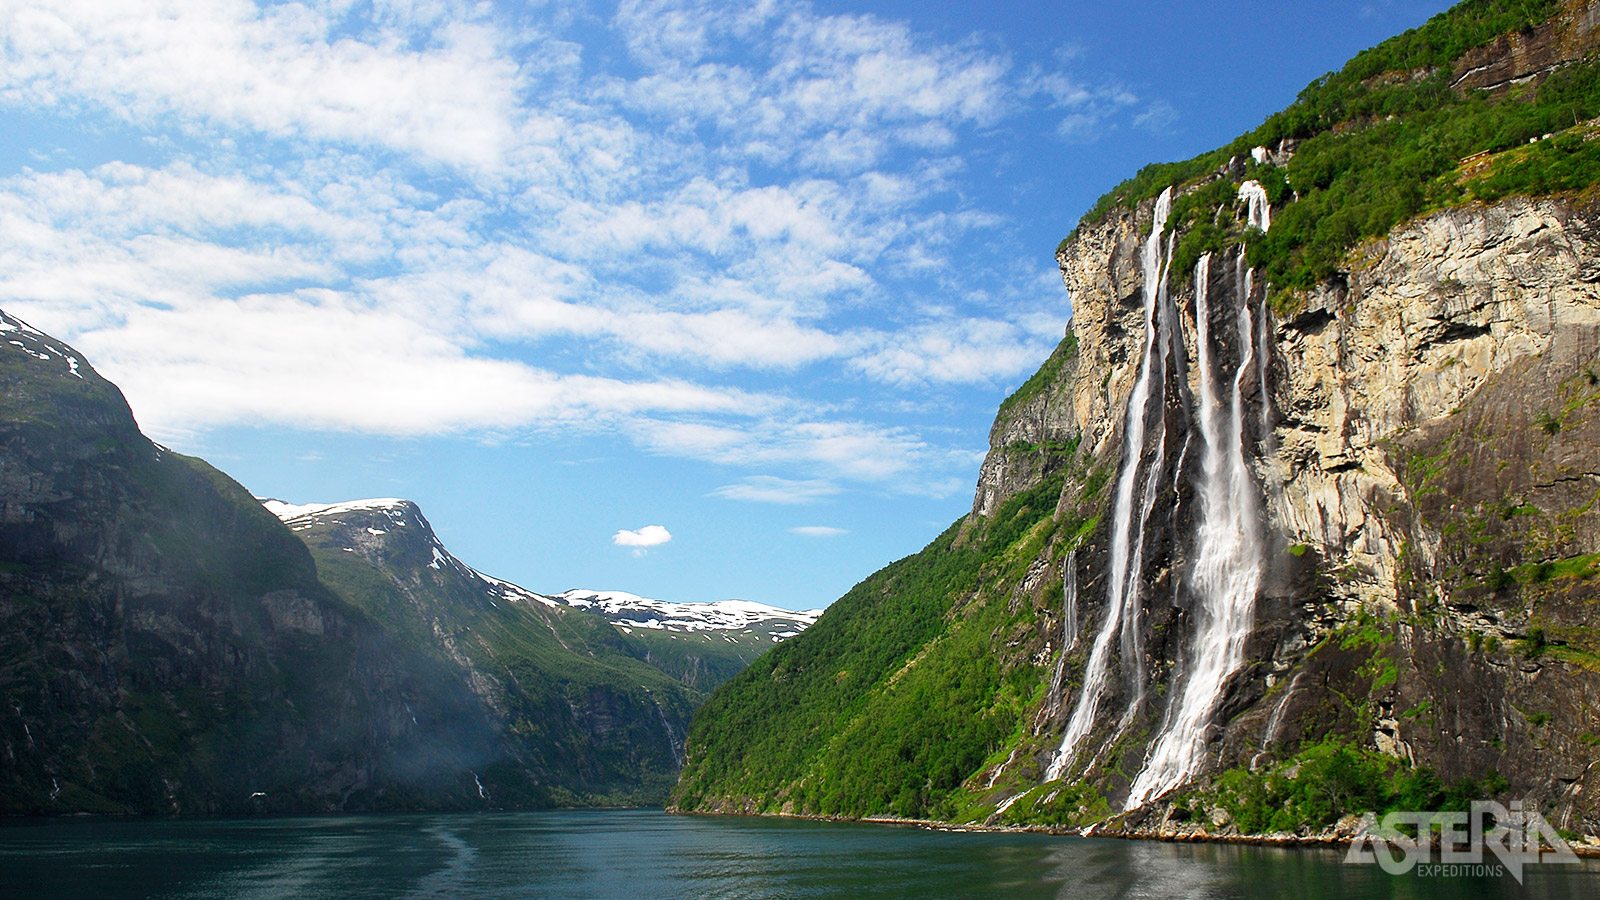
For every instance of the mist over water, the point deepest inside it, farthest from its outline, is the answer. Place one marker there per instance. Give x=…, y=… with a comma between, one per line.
x=644, y=855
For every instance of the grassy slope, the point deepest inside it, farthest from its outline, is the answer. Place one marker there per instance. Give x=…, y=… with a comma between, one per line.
x=701, y=660
x=839, y=721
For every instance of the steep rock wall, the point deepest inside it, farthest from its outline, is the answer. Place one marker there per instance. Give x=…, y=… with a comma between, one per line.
x=1426, y=459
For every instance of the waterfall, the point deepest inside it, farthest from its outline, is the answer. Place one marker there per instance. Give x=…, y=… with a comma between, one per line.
x=1263, y=362
x=1069, y=604
x=1127, y=542
x=1260, y=215
x=1225, y=574
x=1069, y=639
x=1274, y=721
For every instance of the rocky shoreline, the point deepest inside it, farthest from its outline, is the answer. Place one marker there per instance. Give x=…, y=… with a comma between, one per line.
x=1336, y=837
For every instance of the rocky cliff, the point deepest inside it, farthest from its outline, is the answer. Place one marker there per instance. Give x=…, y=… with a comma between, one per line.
x=1298, y=521
x=1426, y=459
x=166, y=644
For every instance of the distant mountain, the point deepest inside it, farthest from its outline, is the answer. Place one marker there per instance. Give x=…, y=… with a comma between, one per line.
x=576, y=701
x=701, y=644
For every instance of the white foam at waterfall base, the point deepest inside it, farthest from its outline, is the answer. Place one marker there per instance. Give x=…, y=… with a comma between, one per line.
x=1226, y=573
x=1122, y=586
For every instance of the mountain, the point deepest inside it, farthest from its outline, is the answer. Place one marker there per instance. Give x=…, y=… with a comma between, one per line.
x=575, y=702
x=165, y=643
x=1298, y=521
x=700, y=644
x=168, y=645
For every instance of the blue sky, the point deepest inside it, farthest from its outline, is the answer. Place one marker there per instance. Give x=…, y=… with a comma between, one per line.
x=696, y=300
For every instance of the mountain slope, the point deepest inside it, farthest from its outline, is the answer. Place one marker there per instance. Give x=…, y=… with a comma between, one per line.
x=1292, y=526
x=166, y=644
x=581, y=715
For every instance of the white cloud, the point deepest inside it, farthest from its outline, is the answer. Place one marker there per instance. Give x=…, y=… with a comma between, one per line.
x=284, y=71
x=772, y=489
x=820, y=531
x=967, y=350
x=822, y=90
x=643, y=539
x=1157, y=118
x=413, y=219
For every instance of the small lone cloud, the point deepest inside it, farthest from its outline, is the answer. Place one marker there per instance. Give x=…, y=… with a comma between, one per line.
x=1158, y=118
x=641, y=540
x=822, y=531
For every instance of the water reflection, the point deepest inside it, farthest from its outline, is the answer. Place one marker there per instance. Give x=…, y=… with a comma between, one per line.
x=634, y=855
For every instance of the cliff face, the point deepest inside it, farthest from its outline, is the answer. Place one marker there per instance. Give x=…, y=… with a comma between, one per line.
x=1523, y=56
x=1426, y=458
x=167, y=646
x=1034, y=434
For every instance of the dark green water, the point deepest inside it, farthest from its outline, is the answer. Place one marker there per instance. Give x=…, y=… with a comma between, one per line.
x=642, y=855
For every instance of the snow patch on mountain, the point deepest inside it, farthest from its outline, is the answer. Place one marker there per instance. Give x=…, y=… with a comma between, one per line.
x=516, y=592
x=397, y=509
x=632, y=611
x=35, y=343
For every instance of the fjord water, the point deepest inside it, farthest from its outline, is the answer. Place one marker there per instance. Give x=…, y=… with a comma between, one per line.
x=637, y=854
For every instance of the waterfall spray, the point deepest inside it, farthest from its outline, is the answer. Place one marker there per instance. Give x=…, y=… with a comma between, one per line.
x=1122, y=600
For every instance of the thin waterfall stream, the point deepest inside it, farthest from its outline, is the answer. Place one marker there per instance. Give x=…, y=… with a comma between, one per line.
x=1122, y=602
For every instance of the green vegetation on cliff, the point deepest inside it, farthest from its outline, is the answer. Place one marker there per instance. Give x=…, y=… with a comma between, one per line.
x=1382, y=140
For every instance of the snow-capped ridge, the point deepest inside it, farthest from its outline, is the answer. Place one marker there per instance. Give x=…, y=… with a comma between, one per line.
x=632, y=611
x=290, y=511
x=36, y=343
